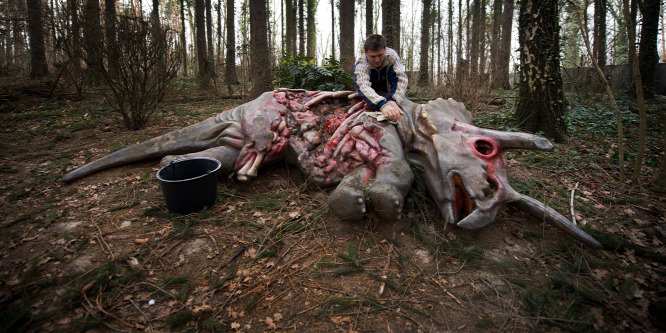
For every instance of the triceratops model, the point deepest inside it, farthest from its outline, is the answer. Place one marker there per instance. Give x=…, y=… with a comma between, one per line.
x=331, y=138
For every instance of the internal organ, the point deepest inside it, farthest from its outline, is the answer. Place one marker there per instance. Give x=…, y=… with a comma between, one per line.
x=323, y=134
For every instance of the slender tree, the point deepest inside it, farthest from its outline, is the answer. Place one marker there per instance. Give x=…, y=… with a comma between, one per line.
x=368, y=17
x=220, y=55
x=647, y=48
x=259, y=52
x=599, y=45
x=230, y=63
x=38, y=66
x=424, y=76
x=541, y=100
x=460, y=69
x=92, y=33
x=347, y=35
x=183, y=40
x=209, y=36
x=291, y=26
x=312, y=28
x=505, y=45
x=663, y=42
x=332, y=28
x=110, y=22
x=495, y=38
x=482, y=39
x=571, y=42
x=449, y=49
x=75, y=52
x=391, y=23
x=475, y=42
x=638, y=77
x=301, y=29
x=200, y=22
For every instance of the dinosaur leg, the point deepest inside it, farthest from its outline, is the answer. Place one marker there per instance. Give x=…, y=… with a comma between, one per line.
x=392, y=180
x=226, y=155
x=347, y=201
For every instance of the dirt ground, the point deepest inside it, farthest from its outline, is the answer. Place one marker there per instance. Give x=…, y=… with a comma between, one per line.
x=103, y=254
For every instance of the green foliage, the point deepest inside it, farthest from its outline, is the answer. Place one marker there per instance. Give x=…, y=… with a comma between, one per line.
x=351, y=263
x=302, y=73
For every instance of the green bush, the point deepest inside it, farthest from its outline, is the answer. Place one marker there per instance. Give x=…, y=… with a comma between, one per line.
x=302, y=73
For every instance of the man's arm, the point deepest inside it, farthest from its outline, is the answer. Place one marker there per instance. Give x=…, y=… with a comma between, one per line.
x=363, y=85
x=397, y=77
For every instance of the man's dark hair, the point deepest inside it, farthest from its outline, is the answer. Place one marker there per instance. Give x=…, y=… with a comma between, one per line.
x=374, y=43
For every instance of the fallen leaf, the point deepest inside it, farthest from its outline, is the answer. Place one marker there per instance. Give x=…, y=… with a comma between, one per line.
x=235, y=325
x=270, y=323
x=64, y=321
x=277, y=316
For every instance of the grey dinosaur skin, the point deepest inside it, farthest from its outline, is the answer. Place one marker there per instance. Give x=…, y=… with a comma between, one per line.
x=332, y=140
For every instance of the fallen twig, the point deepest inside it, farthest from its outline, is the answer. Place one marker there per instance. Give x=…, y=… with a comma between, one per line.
x=571, y=204
x=232, y=258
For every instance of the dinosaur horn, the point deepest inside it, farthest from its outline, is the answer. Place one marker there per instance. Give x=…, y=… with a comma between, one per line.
x=538, y=209
x=517, y=140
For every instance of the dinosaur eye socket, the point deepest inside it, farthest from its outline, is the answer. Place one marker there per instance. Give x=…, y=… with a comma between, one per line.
x=484, y=147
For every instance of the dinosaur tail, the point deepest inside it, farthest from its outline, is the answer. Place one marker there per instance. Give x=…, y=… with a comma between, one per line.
x=200, y=136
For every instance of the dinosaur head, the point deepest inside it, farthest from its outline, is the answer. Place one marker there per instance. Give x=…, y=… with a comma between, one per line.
x=465, y=166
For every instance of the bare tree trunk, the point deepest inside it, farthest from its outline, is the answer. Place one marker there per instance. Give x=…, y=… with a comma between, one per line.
x=92, y=33
x=391, y=23
x=541, y=100
x=599, y=47
x=209, y=36
x=449, y=49
x=291, y=27
x=647, y=50
x=432, y=43
x=424, y=76
x=347, y=35
x=230, y=67
x=220, y=55
x=200, y=21
x=459, y=58
x=663, y=41
x=368, y=17
x=301, y=30
x=642, y=128
x=75, y=31
x=332, y=28
x=475, y=43
x=440, y=40
x=183, y=39
x=495, y=44
x=111, y=38
x=38, y=66
x=260, y=54
x=505, y=45
x=482, y=45
x=312, y=29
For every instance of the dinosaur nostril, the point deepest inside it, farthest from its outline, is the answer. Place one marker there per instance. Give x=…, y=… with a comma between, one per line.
x=491, y=189
x=484, y=147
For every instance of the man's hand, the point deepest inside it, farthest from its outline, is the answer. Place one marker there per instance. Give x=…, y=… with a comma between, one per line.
x=392, y=111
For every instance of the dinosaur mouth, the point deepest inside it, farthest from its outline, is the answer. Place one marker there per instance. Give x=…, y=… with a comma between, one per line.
x=463, y=205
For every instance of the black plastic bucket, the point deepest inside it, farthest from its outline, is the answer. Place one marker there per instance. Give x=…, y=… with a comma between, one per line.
x=189, y=184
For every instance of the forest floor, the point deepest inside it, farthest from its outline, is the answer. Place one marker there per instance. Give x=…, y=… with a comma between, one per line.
x=103, y=254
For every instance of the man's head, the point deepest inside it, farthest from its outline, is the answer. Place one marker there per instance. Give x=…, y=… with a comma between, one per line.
x=375, y=49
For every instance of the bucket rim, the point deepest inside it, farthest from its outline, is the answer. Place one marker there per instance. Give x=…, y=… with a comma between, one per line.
x=217, y=168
